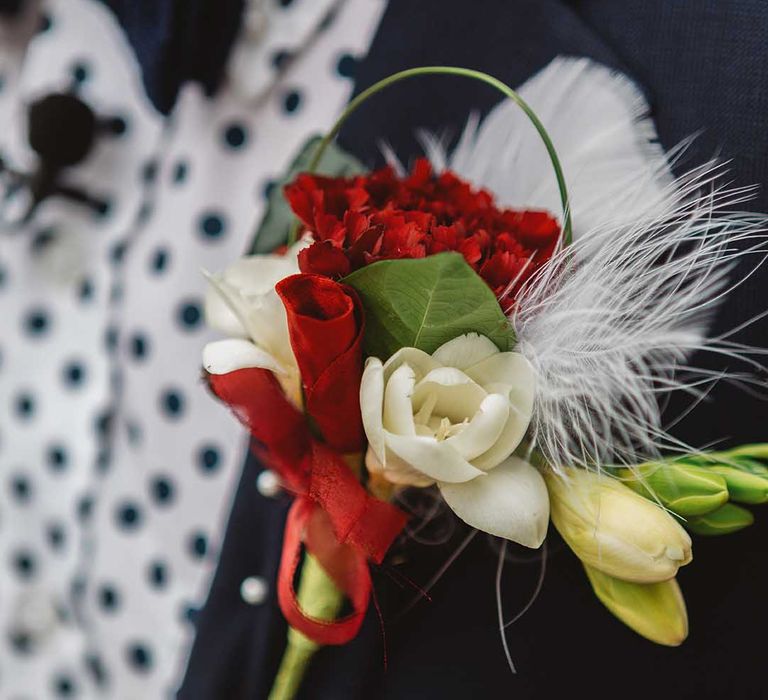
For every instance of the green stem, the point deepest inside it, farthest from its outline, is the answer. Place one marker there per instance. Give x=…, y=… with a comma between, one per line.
x=318, y=597
x=468, y=73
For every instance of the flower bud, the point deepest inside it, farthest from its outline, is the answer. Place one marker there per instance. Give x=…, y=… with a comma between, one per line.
x=655, y=611
x=684, y=489
x=723, y=521
x=745, y=485
x=615, y=530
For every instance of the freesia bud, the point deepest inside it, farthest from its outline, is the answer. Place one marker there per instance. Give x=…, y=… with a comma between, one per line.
x=745, y=485
x=615, y=530
x=723, y=521
x=654, y=610
x=684, y=489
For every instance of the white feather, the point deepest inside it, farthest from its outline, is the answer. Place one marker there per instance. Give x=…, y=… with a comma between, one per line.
x=598, y=122
x=610, y=322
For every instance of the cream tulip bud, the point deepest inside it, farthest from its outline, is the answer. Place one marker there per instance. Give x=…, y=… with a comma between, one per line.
x=615, y=530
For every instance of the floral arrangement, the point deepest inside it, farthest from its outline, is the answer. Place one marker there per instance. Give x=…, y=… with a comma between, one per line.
x=412, y=332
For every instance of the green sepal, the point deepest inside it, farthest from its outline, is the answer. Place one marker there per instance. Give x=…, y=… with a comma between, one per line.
x=744, y=486
x=723, y=521
x=684, y=489
x=423, y=303
x=278, y=220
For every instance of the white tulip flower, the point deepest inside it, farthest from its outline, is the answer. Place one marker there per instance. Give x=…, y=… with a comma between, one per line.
x=454, y=418
x=242, y=303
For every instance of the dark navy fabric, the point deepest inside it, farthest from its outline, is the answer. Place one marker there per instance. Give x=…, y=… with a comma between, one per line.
x=176, y=41
x=700, y=65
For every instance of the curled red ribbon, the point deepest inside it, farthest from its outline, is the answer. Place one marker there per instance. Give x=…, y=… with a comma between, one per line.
x=333, y=516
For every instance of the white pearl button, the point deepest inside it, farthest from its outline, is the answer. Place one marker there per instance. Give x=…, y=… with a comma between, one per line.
x=267, y=484
x=253, y=590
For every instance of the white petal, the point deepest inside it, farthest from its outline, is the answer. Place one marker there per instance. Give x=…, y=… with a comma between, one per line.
x=512, y=372
x=396, y=471
x=465, y=351
x=458, y=396
x=511, y=501
x=435, y=459
x=371, y=402
x=420, y=361
x=254, y=275
x=482, y=432
x=398, y=411
x=222, y=308
x=224, y=356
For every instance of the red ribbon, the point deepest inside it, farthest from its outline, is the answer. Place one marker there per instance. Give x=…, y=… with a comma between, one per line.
x=333, y=516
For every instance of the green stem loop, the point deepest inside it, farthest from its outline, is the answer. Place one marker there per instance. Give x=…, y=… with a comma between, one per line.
x=475, y=75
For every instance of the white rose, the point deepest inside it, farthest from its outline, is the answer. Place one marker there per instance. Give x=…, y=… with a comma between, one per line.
x=454, y=418
x=242, y=303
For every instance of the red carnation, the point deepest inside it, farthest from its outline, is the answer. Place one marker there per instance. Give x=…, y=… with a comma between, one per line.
x=359, y=220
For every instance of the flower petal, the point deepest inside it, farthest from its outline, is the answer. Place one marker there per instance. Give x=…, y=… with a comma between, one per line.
x=225, y=356
x=223, y=309
x=371, y=400
x=457, y=396
x=511, y=374
x=396, y=471
x=482, y=432
x=398, y=412
x=420, y=361
x=431, y=457
x=511, y=501
x=465, y=350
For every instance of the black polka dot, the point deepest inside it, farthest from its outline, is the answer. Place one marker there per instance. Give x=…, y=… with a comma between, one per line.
x=64, y=686
x=117, y=252
x=139, y=346
x=209, y=459
x=25, y=406
x=118, y=125
x=180, y=171
x=111, y=338
x=159, y=260
x=133, y=432
x=3, y=276
x=157, y=574
x=104, y=422
x=172, y=403
x=96, y=668
x=139, y=656
x=128, y=516
x=212, y=225
x=280, y=58
x=85, y=292
x=74, y=374
x=347, y=66
x=85, y=507
x=269, y=187
x=21, y=488
x=235, y=135
x=80, y=71
x=56, y=535
x=103, y=460
x=190, y=613
x=149, y=171
x=37, y=322
x=24, y=564
x=145, y=211
x=190, y=314
x=109, y=598
x=162, y=490
x=57, y=457
x=285, y=3
x=42, y=240
x=21, y=641
x=292, y=101
x=45, y=23
x=198, y=545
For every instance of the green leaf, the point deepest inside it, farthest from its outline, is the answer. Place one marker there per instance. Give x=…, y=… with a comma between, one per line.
x=426, y=302
x=278, y=218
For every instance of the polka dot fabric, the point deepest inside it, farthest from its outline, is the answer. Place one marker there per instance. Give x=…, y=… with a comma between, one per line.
x=117, y=467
